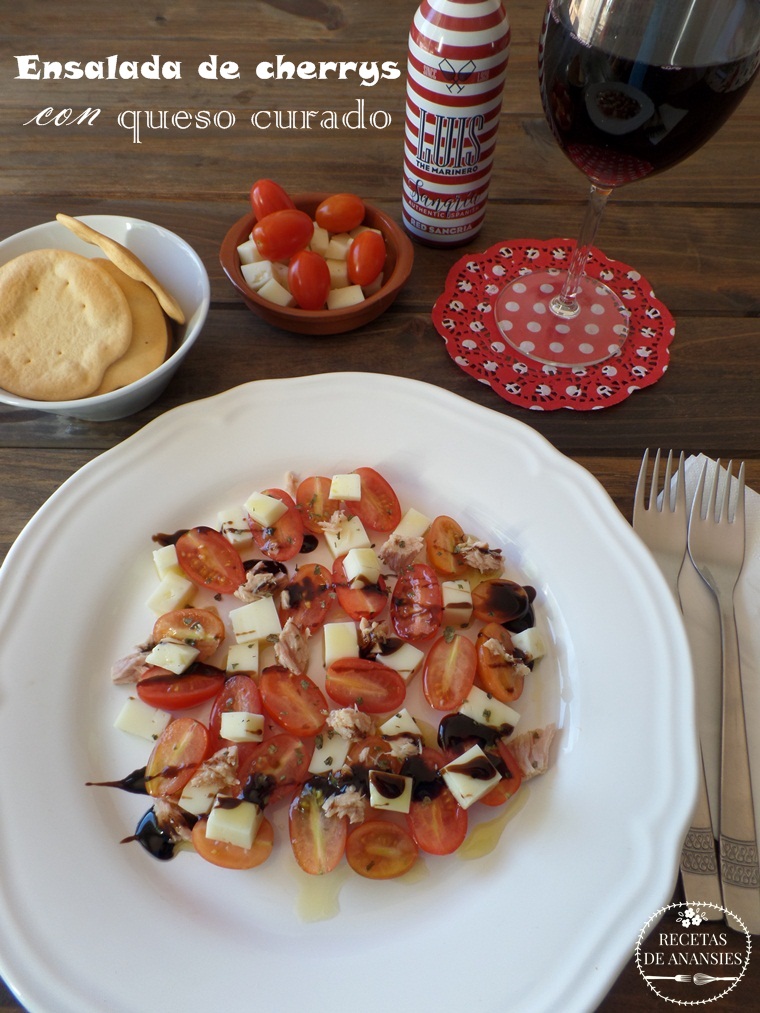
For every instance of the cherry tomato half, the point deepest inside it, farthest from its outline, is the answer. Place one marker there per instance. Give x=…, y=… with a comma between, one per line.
x=179, y=750
x=365, y=258
x=379, y=849
x=367, y=685
x=295, y=702
x=497, y=674
x=318, y=840
x=340, y=213
x=511, y=775
x=309, y=279
x=275, y=767
x=283, y=233
x=309, y=595
x=284, y=540
x=313, y=500
x=449, y=672
x=239, y=693
x=232, y=856
x=441, y=540
x=209, y=560
x=203, y=629
x=379, y=507
x=498, y=600
x=267, y=197
x=199, y=683
x=438, y=823
x=358, y=602
x=416, y=603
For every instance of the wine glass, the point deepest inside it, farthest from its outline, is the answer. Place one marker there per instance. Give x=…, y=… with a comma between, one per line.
x=629, y=87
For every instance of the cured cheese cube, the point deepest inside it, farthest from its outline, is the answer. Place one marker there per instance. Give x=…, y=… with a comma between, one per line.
x=257, y=620
x=173, y=655
x=350, y=535
x=319, y=240
x=138, y=718
x=233, y=524
x=363, y=228
x=242, y=726
x=257, y=273
x=487, y=710
x=337, y=247
x=233, y=821
x=412, y=525
x=374, y=286
x=280, y=275
x=392, y=792
x=197, y=798
x=330, y=752
x=405, y=659
x=348, y=295
x=530, y=642
x=174, y=592
x=340, y=641
x=165, y=561
x=346, y=487
x=248, y=253
x=470, y=776
x=275, y=293
x=242, y=658
x=362, y=567
x=401, y=723
x=265, y=510
x=457, y=603
x=338, y=272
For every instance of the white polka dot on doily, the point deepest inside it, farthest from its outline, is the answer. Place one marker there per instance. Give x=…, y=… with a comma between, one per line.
x=597, y=309
x=557, y=347
x=517, y=287
x=591, y=328
x=533, y=326
x=539, y=308
x=585, y=348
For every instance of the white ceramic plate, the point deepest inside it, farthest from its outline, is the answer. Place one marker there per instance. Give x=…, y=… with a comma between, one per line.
x=545, y=922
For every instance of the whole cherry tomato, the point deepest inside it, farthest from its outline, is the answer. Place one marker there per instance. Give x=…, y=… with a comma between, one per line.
x=268, y=196
x=283, y=233
x=340, y=213
x=366, y=258
x=309, y=279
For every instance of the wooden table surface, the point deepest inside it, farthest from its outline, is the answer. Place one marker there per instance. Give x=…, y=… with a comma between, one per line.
x=692, y=232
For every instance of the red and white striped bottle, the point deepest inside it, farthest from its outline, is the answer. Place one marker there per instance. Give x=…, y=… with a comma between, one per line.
x=458, y=53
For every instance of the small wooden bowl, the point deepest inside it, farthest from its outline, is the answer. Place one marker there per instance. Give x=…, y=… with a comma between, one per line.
x=398, y=266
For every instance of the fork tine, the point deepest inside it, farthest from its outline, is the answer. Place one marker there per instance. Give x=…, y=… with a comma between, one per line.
x=723, y=515
x=655, y=481
x=739, y=508
x=713, y=493
x=638, y=496
x=681, y=485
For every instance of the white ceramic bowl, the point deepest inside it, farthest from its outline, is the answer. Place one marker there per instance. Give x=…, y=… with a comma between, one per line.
x=173, y=262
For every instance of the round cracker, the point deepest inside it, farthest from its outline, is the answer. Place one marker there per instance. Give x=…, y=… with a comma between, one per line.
x=127, y=261
x=150, y=332
x=63, y=321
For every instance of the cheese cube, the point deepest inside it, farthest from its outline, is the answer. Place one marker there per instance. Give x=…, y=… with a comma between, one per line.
x=257, y=620
x=363, y=228
x=274, y=292
x=248, y=253
x=470, y=776
x=165, y=561
x=337, y=247
x=412, y=525
x=346, y=487
x=390, y=791
x=401, y=723
x=348, y=295
x=319, y=240
x=242, y=726
x=530, y=642
x=362, y=567
x=340, y=641
x=265, y=510
x=457, y=603
x=197, y=797
x=487, y=710
x=243, y=658
x=330, y=752
x=233, y=524
x=173, y=655
x=350, y=535
x=404, y=659
x=234, y=821
x=174, y=592
x=374, y=286
x=138, y=718
x=257, y=273
x=280, y=275
x=338, y=273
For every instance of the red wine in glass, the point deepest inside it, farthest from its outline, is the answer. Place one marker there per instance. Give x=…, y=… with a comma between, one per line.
x=629, y=88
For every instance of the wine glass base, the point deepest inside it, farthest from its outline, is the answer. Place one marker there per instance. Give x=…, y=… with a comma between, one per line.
x=526, y=322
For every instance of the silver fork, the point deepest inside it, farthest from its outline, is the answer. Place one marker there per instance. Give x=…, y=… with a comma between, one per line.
x=664, y=531
x=716, y=547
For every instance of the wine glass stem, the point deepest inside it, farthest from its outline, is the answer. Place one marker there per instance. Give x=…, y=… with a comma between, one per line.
x=565, y=304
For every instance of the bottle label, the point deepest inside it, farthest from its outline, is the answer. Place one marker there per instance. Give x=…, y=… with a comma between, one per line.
x=457, y=63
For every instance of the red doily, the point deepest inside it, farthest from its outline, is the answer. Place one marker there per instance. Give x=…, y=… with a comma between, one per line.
x=463, y=316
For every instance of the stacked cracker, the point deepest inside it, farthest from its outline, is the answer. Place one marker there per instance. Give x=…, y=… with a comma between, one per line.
x=73, y=327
